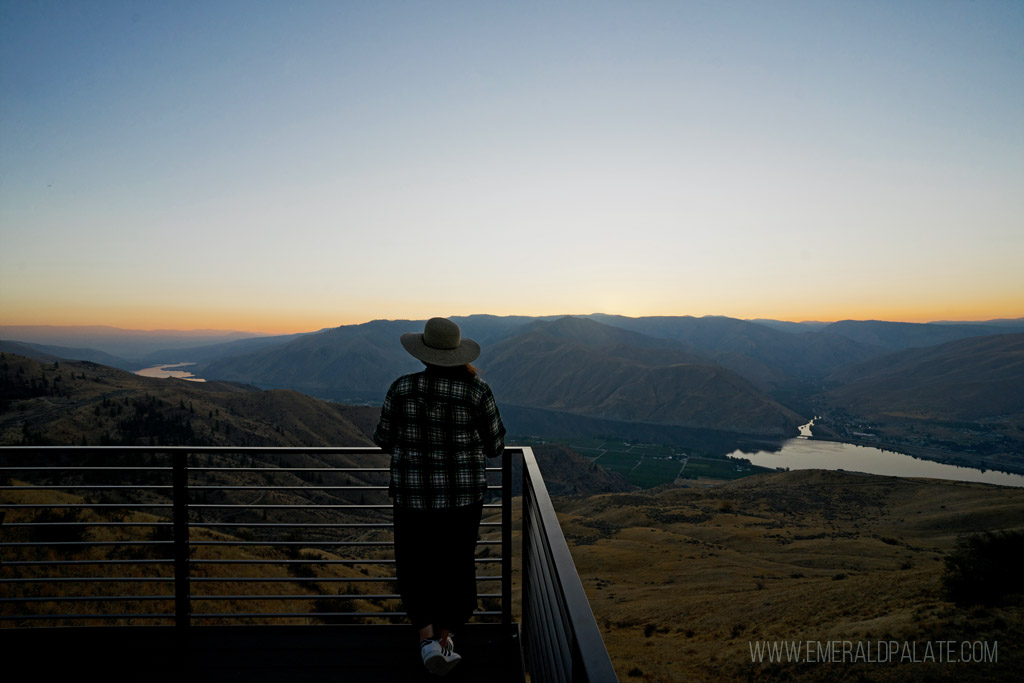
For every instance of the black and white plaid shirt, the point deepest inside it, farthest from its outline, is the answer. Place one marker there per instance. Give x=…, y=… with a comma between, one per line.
x=440, y=426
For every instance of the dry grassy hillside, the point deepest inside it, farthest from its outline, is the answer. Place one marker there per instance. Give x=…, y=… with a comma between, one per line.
x=315, y=589
x=83, y=403
x=683, y=580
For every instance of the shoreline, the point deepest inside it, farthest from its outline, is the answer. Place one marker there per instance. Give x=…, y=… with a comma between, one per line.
x=968, y=460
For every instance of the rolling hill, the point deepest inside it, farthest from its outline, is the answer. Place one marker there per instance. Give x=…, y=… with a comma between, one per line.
x=969, y=379
x=794, y=556
x=962, y=401
x=682, y=371
x=354, y=362
x=83, y=403
x=641, y=378
x=351, y=362
x=47, y=354
x=582, y=367
x=894, y=336
x=130, y=344
x=751, y=349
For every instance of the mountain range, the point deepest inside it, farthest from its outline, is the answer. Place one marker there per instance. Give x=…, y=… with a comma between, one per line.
x=710, y=373
x=583, y=367
x=84, y=403
x=130, y=344
x=985, y=374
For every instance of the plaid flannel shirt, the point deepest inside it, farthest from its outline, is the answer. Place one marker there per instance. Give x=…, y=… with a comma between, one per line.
x=440, y=427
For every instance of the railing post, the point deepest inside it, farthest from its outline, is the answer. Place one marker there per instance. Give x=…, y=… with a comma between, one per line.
x=179, y=493
x=527, y=560
x=506, y=540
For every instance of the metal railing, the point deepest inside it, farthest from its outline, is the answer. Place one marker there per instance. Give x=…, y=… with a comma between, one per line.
x=178, y=517
x=561, y=638
x=189, y=536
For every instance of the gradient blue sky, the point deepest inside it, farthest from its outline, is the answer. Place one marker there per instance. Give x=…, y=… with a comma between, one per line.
x=286, y=166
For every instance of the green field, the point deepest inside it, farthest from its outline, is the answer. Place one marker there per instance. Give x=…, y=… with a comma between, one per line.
x=647, y=465
x=640, y=449
x=622, y=463
x=652, y=472
x=640, y=470
x=647, y=472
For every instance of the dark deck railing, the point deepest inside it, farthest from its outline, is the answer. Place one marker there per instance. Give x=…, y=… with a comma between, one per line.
x=153, y=517
x=562, y=641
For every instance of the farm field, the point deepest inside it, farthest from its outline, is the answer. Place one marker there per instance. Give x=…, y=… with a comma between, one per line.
x=650, y=465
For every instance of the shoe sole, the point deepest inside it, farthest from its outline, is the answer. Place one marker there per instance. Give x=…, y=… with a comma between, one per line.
x=439, y=666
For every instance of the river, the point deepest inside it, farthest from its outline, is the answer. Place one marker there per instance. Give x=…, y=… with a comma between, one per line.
x=169, y=371
x=803, y=453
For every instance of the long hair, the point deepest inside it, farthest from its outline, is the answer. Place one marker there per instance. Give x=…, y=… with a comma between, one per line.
x=453, y=369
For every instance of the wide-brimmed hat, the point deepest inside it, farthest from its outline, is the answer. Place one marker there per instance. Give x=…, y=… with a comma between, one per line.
x=441, y=344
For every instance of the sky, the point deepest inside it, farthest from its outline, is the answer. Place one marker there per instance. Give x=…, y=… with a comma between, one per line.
x=288, y=166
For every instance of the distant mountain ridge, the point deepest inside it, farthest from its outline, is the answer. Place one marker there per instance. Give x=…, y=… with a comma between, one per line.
x=965, y=379
x=641, y=378
x=352, y=362
x=150, y=345
x=893, y=336
x=660, y=370
x=344, y=363
x=580, y=366
x=131, y=344
x=206, y=353
x=48, y=354
x=758, y=352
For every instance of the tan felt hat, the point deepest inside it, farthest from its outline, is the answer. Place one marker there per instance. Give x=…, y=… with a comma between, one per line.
x=441, y=344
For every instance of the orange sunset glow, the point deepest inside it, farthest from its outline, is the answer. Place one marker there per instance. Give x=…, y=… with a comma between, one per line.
x=342, y=163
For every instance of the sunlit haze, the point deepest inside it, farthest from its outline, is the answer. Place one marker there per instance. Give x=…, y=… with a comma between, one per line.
x=283, y=167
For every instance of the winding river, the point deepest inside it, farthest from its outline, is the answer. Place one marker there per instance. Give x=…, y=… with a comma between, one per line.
x=801, y=453
x=169, y=371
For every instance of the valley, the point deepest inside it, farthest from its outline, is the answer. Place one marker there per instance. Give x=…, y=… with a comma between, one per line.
x=948, y=392
x=733, y=555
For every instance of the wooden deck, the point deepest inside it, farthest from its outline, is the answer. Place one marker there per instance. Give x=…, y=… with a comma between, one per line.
x=257, y=654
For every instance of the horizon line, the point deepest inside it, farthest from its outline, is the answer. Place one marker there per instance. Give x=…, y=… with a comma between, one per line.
x=231, y=331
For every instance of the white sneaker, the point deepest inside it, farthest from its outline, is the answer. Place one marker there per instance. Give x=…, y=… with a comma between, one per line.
x=449, y=647
x=439, y=660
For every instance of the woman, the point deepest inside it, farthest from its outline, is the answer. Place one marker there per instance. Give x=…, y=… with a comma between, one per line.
x=440, y=425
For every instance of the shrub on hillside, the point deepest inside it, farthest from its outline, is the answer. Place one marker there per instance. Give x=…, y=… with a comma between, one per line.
x=984, y=568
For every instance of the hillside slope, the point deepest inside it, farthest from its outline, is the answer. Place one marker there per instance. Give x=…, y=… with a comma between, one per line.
x=351, y=362
x=80, y=403
x=796, y=556
x=47, y=354
x=756, y=351
x=894, y=336
x=582, y=367
x=567, y=473
x=960, y=380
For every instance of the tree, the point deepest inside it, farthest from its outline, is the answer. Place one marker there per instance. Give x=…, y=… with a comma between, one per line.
x=984, y=568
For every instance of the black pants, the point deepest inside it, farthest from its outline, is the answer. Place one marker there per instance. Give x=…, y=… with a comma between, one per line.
x=434, y=560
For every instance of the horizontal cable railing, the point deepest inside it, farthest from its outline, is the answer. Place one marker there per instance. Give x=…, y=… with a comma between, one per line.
x=195, y=530
x=190, y=537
